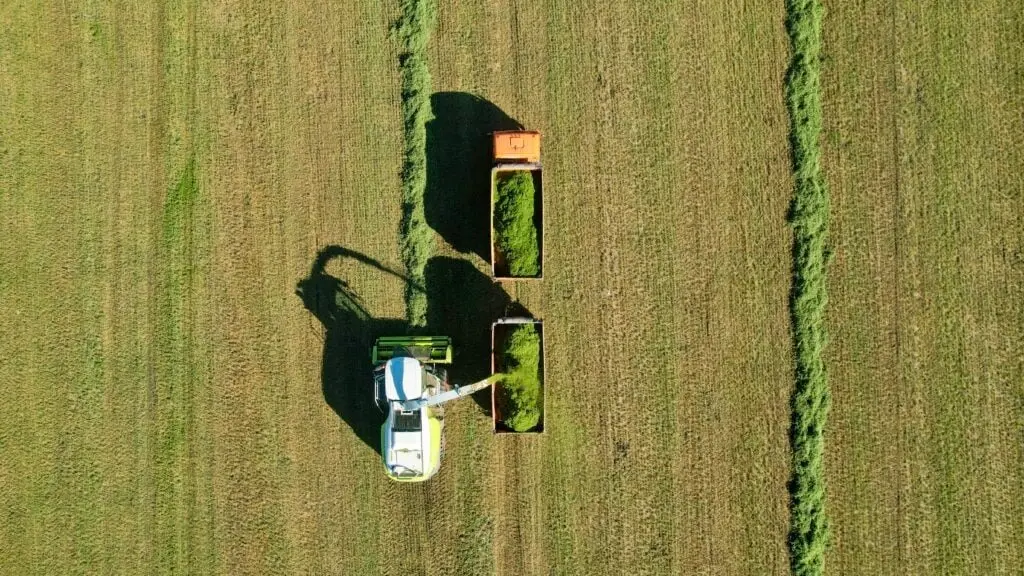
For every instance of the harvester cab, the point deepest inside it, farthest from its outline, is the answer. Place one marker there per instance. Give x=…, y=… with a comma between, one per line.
x=411, y=385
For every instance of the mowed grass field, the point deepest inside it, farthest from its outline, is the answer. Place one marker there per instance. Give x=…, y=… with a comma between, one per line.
x=665, y=281
x=169, y=174
x=170, y=171
x=925, y=453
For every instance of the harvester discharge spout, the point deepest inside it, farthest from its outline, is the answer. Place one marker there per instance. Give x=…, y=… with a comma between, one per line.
x=454, y=394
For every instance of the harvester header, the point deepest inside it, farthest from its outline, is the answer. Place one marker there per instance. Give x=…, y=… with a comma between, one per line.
x=426, y=349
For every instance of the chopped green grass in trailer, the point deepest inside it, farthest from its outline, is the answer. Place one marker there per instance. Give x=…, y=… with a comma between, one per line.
x=519, y=392
x=516, y=232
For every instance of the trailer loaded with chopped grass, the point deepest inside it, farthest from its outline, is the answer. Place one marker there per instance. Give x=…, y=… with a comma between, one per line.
x=517, y=231
x=517, y=360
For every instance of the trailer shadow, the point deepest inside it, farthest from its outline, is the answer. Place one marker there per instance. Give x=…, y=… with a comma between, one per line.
x=462, y=304
x=457, y=201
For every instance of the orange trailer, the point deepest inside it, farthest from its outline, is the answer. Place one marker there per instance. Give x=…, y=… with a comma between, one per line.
x=517, y=146
x=516, y=150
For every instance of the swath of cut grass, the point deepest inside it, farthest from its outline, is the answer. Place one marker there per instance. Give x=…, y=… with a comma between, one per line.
x=809, y=530
x=517, y=234
x=521, y=384
x=413, y=28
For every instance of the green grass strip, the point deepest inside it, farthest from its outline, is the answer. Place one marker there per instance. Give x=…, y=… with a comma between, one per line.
x=809, y=527
x=413, y=28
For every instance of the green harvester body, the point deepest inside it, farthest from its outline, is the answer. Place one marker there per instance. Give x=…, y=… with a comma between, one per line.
x=426, y=349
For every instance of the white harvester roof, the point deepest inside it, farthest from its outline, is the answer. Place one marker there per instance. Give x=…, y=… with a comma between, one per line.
x=403, y=379
x=403, y=443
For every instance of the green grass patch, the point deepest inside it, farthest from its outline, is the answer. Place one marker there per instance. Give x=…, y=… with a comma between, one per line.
x=809, y=529
x=177, y=372
x=513, y=223
x=521, y=386
x=413, y=28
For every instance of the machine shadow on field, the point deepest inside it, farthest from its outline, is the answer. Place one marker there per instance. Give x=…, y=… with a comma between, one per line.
x=349, y=332
x=457, y=201
x=462, y=304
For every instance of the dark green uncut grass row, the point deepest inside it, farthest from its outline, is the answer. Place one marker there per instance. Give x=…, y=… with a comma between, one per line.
x=809, y=529
x=413, y=28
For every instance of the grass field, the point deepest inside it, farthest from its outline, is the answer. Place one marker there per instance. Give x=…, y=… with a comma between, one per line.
x=925, y=458
x=199, y=225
